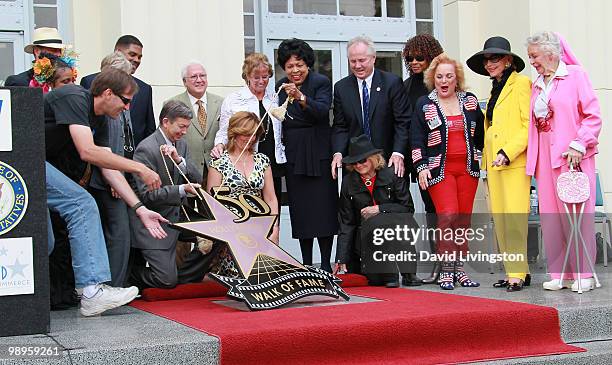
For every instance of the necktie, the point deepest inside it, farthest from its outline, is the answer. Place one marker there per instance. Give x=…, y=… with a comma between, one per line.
x=202, y=116
x=366, y=109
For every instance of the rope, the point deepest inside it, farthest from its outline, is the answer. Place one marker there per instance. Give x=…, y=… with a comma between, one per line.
x=201, y=197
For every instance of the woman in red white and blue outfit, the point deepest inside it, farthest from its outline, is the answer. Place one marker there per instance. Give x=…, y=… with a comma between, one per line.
x=447, y=129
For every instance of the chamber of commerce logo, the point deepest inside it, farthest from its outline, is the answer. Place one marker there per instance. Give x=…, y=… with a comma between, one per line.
x=13, y=198
x=16, y=266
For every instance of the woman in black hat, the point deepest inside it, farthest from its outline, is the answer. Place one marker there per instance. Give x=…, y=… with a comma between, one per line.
x=370, y=188
x=505, y=153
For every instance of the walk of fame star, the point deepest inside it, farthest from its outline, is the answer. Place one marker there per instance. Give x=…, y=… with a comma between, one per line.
x=245, y=240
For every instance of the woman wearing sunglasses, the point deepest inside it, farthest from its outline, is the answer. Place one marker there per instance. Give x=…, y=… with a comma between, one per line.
x=370, y=188
x=563, y=132
x=505, y=153
x=418, y=53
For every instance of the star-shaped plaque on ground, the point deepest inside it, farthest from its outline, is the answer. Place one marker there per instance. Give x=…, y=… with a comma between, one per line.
x=246, y=240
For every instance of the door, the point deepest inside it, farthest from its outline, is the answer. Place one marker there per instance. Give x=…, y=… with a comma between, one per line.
x=12, y=59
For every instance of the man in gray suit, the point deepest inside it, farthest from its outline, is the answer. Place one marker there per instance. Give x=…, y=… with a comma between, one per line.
x=174, y=123
x=206, y=108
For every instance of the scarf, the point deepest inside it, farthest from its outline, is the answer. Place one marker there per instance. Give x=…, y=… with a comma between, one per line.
x=495, y=91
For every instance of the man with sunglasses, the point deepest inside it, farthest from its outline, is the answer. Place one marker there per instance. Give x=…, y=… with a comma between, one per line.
x=76, y=136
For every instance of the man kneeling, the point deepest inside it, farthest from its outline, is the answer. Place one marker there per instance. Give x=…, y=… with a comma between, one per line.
x=158, y=152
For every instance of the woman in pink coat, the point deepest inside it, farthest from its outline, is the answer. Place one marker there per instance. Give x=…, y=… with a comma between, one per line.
x=563, y=131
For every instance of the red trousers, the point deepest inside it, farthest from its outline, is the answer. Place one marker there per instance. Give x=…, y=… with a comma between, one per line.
x=454, y=200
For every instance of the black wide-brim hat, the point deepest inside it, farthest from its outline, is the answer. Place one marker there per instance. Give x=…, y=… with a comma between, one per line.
x=494, y=45
x=359, y=149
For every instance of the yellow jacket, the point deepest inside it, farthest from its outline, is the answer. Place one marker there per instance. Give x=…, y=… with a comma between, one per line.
x=508, y=131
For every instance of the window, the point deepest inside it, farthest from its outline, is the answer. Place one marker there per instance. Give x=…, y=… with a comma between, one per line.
x=320, y=7
x=45, y=13
x=424, y=16
x=277, y=6
x=390, y=61
x=248, y=11
x=365, y=8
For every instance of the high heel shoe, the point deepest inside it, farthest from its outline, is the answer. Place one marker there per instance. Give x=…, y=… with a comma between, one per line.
x=435, y=274
x=519, y=286
x=501, y=284
x=506, y=284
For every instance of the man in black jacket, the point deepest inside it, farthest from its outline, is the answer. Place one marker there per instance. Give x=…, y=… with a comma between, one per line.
x=44, y=41
x=141, y=107
x=370, y=102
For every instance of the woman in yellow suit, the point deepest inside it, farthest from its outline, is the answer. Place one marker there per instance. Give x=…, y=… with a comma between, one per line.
x=504, y=154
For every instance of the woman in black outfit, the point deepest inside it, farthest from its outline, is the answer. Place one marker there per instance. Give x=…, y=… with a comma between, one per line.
x=313, y=194
x=369, y=189
x=418, y=53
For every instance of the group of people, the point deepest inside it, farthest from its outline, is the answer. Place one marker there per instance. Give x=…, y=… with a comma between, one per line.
x=117, y=181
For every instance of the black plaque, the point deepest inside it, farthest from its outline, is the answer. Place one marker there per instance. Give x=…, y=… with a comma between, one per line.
x=28, y=313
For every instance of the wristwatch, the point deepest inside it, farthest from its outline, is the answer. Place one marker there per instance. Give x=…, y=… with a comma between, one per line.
x=303, y=97
x=136, y=206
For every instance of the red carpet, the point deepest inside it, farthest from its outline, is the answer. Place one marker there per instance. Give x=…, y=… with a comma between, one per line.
x=405, y=327
x=210, y=288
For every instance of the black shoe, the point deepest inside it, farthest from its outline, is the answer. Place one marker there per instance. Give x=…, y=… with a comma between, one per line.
x=515, y=286
x=392, y=284
x=411, y=280
x=506, y=283
x=501, y=284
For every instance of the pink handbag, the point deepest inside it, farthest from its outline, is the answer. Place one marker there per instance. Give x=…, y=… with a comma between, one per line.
x=573, y=187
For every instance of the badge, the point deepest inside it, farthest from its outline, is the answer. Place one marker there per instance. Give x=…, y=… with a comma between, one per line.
x=13, y=198
x=434, y=123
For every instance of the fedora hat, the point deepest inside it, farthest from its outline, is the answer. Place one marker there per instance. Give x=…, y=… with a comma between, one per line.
x=45, y=37
x=494, y=45
x=359, y=149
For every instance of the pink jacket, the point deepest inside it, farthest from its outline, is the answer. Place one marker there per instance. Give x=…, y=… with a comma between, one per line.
x=576, y=118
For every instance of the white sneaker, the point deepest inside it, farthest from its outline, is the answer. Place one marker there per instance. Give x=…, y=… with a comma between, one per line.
x=107, y=297
x=587, y=284
x=554, y=284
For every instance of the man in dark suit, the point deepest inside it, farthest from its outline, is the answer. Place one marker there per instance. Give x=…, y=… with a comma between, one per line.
x=44, y=41
x=370, y=102
x=174, y=121
x=141, y=107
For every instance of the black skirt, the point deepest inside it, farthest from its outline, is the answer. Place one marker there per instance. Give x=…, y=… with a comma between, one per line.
x=313, y=203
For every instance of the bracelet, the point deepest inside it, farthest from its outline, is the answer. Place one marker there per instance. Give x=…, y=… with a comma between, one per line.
x=136, y=206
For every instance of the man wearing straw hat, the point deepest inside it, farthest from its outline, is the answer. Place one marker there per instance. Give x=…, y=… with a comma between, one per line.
x=44, y=41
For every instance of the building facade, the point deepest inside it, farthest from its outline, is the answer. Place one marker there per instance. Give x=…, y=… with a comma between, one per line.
x=220, y=32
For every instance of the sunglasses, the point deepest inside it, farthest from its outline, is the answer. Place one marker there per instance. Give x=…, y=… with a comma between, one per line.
x=417, y=58
x=125, y=100
x=493, y=59
x=361, y=162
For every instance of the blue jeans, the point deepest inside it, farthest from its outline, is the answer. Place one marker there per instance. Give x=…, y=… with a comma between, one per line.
x=80, y=212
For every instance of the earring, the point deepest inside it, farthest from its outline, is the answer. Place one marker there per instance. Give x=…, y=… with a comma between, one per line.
x=507, y=65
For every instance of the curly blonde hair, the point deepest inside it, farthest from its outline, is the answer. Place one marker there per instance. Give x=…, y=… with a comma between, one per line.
x=377, y=160
x=430, y=73
x=243, y=124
